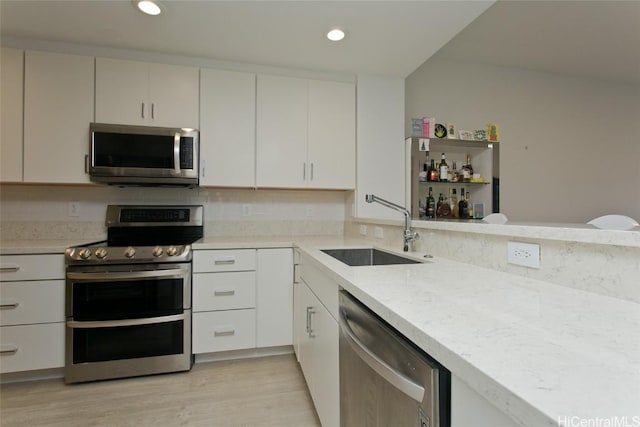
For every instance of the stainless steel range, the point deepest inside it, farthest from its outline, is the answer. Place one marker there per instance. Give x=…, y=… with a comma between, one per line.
x=128, y=299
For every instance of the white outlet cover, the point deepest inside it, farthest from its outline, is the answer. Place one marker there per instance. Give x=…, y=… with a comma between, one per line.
x=363, y=229
x=378, y=232
x=524, y=254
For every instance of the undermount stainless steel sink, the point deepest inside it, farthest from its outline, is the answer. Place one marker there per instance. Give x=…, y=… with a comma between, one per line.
x=367, y=256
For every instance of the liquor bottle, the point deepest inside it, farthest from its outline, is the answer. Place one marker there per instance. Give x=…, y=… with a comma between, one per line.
x=463, y=206
x=467, y=170
x=439, y=202
x=422, y=175
x=431, y=205
x=444, y=210
x=434, y=174
x=454, y=174
x=444, y=169
x=454, y=204
x=469, y=204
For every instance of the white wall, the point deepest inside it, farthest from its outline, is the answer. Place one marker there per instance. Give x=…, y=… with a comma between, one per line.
x=570, y=146
x=380, y=144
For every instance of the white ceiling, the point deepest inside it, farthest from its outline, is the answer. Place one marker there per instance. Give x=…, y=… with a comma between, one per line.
x=590, y=38
x=597, y=39
x=388, y=38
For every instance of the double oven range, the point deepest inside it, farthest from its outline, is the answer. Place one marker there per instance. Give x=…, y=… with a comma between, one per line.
x=128, y=299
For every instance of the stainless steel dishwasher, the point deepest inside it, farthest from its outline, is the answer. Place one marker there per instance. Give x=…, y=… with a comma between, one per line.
x=385, y=380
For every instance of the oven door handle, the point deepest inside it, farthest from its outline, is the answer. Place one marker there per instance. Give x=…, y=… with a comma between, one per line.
x=127, y=322
x=174, y=272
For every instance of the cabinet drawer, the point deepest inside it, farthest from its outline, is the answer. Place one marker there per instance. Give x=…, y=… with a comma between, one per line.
x=31, y=302
x=224, y=260
x=224, y=330
x=29, y=347
x=224, y=291
x=31, y=267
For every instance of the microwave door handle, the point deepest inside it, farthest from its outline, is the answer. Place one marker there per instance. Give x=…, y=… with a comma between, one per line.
x=176, y=153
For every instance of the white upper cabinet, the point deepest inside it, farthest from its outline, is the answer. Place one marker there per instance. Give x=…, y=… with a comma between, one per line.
x=305, y=133
x=332, y=134
x=281, y=131
x=58, y=107
x=11, y=73
x=149, y=94
x=227, y=128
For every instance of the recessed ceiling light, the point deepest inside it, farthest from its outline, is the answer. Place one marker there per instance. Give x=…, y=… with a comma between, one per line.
x=149, y=7
x=335, y=35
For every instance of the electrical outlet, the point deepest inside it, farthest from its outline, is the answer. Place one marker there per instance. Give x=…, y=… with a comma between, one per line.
x=525, y=254
x=378, y=232
x=309, y=211
x=363, y=229
x=74, y=209
x=246, y=209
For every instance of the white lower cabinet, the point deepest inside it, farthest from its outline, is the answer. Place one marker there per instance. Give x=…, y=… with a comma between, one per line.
x=468, y=408
x=242, y=299
x=224, y=330
x=316, y=338
x=32, y=312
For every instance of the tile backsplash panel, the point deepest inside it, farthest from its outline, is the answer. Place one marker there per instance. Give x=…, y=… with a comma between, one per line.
x=603, y=269
x=42, y=212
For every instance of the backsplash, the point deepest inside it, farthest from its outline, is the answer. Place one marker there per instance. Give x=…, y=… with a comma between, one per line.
x=599, y=268
x=44, y=212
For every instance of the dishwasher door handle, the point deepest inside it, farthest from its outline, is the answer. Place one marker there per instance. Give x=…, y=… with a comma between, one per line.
x=382, y=368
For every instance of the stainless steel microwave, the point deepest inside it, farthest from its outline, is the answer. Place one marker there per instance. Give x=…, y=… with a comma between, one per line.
x=143, y=155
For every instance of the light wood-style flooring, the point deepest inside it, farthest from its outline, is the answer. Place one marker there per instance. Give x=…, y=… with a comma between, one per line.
x=268, y=391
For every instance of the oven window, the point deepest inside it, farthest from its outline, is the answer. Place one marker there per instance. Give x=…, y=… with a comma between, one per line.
x=124, y=150
x=127, y=299
x=127, y=342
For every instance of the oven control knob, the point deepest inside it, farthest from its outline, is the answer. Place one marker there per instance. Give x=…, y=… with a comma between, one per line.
x=157, y=251
x=84, y=253
x=101, y=253
x=129, y=252
x=172, y=250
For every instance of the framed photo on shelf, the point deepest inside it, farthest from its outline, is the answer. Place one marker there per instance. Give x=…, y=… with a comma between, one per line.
x=451, y=131
x=465, y=135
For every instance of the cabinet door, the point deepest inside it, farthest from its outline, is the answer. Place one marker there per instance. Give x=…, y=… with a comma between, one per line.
x=281, y=130
x=58, y=107
x=122, y=92
x=30, y=347
x=227, y=128
x=275, y=297
x=173, y=93
x=304, y=305
x=11, y=73
x=326, y=367
x=332, y=135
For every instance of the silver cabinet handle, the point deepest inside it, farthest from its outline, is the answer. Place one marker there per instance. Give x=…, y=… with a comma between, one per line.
x=310, y=312
x=176, y=153
x=177, y=272
x=8, y=349
x=224, y=292
x=153, y=110
x=229, y=261
x=203, y=162
x=304, y=171
x=142, y=113
x=86, y=163
x=10, y=269
x=382, y=368
x=224, y=332
x=13, y=304
x=127, y=322
x=311, y=171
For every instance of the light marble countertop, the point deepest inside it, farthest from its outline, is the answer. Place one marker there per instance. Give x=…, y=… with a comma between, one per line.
x=535, y=350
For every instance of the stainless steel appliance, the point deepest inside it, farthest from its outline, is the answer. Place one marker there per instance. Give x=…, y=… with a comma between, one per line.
x=144, y=155
x=128, y=299
x=385, y=380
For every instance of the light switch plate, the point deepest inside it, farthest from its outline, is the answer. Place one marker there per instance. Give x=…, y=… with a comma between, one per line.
x=363, y=229
x=524, y=254
x=74, y=209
